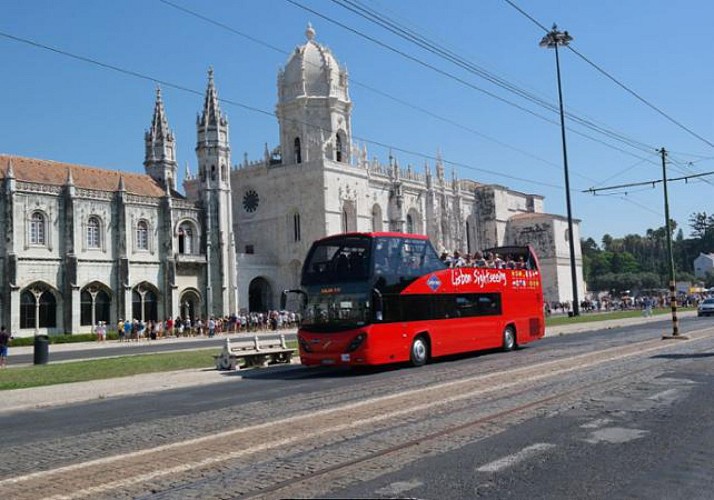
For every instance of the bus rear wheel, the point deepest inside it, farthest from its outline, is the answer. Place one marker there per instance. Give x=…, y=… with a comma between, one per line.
x=509, y=338
x=419, y=353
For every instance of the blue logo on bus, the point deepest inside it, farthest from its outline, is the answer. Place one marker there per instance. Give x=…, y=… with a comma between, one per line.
x=433, y=282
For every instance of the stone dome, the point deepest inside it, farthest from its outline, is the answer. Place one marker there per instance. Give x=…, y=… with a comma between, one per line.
x=312, y=71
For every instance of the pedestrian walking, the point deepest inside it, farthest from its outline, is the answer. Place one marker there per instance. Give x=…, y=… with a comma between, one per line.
x=4, y=344
x=101, y=331
x=647, y=303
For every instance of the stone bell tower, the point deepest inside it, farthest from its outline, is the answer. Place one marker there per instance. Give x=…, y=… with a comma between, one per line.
x=214, y=162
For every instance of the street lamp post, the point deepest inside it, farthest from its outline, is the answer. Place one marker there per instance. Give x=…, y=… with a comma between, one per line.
x=552, y=40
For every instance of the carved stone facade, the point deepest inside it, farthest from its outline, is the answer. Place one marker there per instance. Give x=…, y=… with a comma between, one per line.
x=316, y=183
x=85, y=244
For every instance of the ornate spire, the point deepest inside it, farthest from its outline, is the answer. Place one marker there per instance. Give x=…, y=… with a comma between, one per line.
x=310, y=32
x=159, y=122
x=70, y=179
x=10, y=170
x=439, y=165
x=187, y=175
x=211, y=115
x=122, y=186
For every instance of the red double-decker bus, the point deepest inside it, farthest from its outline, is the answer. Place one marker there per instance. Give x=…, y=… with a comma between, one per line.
x=376, y=298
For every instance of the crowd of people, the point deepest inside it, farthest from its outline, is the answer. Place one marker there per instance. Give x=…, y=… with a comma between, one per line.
x=479, y=259
x=188, y=327
x=644, y=303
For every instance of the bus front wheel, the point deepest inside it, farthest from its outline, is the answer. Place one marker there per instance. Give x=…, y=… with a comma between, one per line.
x=509, y=338
x=419, y=353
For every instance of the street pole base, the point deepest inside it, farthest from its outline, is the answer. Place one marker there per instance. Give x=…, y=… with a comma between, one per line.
x=674, y=337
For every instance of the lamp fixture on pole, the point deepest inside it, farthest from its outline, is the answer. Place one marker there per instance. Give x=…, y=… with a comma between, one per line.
x=552, y=40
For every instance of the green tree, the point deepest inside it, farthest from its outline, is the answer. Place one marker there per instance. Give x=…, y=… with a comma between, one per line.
x=624, y=262
x=700, y=224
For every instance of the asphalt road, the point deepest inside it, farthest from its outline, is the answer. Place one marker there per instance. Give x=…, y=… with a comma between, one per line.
x=634, y=427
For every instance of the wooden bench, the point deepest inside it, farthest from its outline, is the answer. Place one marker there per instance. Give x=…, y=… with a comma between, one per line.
x=259, y=351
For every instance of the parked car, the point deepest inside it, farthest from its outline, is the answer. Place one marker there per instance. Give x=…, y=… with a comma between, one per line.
x=706, y=307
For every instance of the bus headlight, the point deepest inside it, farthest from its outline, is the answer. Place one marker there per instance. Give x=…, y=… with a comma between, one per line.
x=304, y=345
x=356, y=342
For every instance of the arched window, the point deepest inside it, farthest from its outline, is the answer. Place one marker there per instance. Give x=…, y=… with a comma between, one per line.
x=101, y=304
x=410, y=224
x=376, y=218
x=185, y=238
x=142, y=235
x=338, y=148
x=144, y=305
x=37, y=229
x=32, y=304
x=27, y=310
x=297, y=151
x=93, y=233
x=296, y=227
x=349, y=216
x=48, y=310
x=468, y=237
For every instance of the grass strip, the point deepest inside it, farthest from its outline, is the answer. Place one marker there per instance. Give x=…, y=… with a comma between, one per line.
x=603, y=316
x=97, y=369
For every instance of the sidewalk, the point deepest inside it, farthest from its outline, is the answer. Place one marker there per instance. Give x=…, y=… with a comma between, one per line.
x=112, y=344
x=591, y=326
x=53, y=395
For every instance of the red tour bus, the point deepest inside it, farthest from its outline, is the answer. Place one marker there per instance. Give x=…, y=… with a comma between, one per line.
x=376, y=298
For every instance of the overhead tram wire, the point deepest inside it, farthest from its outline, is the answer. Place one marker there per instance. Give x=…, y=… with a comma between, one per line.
x=398, y=100
x=358, y=83
x=405, y=103
x=615, y=80
x=458, y=79
x=652, y=183
x=445, y=53
x=230, y=102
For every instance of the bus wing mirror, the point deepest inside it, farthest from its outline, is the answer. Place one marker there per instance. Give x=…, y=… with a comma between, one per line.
x=378, y=304
x=284, y=297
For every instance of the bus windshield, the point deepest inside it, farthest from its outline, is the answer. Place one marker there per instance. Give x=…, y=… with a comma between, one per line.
x=338, y=260
x=336, y=308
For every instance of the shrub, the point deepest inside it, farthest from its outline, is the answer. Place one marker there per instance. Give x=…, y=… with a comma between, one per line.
x=67, y=338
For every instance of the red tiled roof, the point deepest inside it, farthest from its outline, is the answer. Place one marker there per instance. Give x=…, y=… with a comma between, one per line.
x=55, y=173
x=528, y=215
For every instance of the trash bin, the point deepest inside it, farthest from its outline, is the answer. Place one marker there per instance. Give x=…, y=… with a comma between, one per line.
x=42, y=349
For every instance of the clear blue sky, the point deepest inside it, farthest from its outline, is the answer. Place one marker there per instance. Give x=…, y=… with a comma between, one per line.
x=58, y=108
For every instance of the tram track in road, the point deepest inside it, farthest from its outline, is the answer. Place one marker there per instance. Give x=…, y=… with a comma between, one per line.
x=158, y=468
x=315, y=481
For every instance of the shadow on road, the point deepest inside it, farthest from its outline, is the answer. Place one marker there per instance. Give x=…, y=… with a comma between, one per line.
x=685, y=356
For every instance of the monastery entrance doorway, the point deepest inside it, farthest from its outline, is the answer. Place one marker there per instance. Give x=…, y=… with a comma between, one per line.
x=190, y=305
x=260, y=295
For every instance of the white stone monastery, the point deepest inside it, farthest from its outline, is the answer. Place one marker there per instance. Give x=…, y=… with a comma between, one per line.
x=84, y=244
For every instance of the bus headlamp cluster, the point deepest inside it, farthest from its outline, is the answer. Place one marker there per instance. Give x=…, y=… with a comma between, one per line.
x=304, y=344
x=356, y=342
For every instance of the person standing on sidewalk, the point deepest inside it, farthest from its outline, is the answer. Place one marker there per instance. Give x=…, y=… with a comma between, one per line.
x=4, y=344
x=647, y=307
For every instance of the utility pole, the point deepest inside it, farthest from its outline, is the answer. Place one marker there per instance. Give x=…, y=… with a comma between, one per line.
x=668, y=229
x=670, y=253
